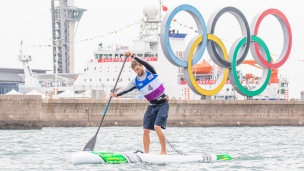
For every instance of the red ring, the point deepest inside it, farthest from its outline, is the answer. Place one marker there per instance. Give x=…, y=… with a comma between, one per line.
x=283, y=17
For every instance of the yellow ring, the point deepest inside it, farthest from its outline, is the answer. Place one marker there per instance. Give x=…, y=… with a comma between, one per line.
x=223, y=72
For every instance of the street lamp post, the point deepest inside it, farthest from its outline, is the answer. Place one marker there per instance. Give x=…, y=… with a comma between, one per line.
x=56, y=71
x=195, y=79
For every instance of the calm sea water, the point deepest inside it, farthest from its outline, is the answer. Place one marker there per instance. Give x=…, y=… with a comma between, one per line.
x=252, y=148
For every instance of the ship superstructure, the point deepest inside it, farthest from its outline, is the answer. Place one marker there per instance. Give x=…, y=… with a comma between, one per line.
x=101, y=71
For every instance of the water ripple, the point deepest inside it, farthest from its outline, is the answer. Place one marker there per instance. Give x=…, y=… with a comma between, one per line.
x=252, y=148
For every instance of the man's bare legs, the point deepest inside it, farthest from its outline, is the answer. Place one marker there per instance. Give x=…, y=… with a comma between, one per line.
x=161, y=137
x=146, y=139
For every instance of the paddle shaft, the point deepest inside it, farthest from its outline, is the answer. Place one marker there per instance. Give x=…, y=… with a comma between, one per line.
x=91, y=144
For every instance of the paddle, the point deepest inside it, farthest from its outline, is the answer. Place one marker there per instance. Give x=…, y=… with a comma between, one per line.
x=91, y=144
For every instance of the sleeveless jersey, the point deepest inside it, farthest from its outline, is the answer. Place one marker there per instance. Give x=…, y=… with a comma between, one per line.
x=150, y=87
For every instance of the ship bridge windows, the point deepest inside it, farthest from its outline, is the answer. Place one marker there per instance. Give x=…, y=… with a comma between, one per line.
x=139, y=55
x=104, y=56
x=149, y=55
x=117, y=55
x=284, y=85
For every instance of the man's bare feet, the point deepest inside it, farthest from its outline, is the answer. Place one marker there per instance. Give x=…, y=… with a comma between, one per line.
x=163, y=153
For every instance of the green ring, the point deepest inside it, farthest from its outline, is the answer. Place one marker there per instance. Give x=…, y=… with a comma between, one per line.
x=242, y=90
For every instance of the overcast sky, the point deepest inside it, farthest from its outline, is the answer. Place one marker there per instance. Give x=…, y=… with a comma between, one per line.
x=30, y=21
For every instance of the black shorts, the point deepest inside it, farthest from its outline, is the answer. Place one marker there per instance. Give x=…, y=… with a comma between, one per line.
x=156, y=115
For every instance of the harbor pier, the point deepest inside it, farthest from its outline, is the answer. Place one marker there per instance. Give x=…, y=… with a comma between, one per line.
x=32, y=112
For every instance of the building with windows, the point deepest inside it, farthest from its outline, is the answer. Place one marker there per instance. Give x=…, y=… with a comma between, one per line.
x=10, y=79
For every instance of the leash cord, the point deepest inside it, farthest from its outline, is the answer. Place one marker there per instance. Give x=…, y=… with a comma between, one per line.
x=174, y=149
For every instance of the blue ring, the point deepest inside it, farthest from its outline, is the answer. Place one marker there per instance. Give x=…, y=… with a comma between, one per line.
x=164, y=34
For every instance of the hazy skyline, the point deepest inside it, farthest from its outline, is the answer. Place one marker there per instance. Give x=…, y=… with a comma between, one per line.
x=30, y=21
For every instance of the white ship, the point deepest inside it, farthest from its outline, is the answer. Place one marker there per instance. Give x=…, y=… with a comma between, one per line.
x=100, y=72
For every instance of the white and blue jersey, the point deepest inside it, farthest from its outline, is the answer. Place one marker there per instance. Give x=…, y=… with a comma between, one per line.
x=148, y=83
x=151, y=88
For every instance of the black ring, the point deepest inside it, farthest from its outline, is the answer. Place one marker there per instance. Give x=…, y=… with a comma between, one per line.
x=213, y=48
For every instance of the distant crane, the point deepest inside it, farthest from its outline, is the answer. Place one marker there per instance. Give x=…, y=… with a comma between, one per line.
x=274, y=72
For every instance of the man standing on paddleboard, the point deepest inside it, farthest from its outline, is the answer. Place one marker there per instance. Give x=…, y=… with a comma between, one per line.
x=148, y=83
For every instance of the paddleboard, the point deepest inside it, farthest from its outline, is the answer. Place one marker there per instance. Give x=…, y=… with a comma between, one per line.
x=98, y=157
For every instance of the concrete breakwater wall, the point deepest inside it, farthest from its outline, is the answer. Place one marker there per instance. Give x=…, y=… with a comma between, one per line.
x=34, y=112
x=20, y=112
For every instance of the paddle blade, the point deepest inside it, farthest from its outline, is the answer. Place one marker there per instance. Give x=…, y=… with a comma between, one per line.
x=90, y=145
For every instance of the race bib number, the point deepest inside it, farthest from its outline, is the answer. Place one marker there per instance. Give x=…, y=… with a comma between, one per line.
x=150, y=88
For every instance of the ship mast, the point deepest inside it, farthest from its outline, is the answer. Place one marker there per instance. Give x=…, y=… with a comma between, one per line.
x=160, y=9
x=29, y=78
x=149, y=27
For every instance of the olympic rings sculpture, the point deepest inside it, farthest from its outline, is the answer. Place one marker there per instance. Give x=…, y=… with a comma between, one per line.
x=218, y=52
